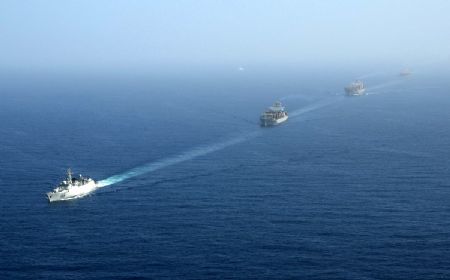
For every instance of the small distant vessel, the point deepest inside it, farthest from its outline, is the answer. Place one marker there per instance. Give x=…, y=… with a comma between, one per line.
x=274, y=115
x=356, y=88
x=405, y=72
x=72, y=188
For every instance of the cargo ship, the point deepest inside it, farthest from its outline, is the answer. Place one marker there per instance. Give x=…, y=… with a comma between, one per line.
x=356, y=88
x=274, y=115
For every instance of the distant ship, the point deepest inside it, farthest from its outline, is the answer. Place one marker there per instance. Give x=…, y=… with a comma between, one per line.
x=274, y=115
x=356, y=88
x=405, y=72
x=72, y=188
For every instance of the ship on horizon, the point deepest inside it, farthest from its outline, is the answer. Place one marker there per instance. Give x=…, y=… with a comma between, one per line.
x=356, y=88
x=274, y=115
x=72, y=188
x=405, y=72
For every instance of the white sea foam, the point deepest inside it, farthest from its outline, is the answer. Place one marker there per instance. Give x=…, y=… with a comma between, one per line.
x=314, y=106
x=191, y=154
x=296, y=96
x=370, y=75
x=385, y=85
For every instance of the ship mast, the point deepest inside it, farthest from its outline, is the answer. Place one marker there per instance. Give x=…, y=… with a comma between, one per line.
x=69, y=175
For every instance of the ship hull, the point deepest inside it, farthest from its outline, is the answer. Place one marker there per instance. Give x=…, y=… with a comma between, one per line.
x=358, y=92
x=72, y=193
x=266, y=123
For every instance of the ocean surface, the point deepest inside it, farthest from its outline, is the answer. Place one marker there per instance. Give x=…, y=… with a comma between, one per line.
x=347, y=188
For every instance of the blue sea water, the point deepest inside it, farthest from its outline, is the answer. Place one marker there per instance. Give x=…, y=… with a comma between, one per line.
x=348, y=188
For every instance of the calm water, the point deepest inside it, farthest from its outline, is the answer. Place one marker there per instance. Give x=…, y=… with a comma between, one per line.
x=348, y=188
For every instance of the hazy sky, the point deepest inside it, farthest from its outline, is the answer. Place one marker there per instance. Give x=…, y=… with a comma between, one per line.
x=108, y=34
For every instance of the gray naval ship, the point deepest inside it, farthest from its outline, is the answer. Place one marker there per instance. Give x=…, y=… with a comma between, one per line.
x=274, y=115
x=72, y=188
x=356, y=88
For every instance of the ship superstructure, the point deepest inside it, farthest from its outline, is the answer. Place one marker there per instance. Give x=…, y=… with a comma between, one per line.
x=274, y=115
x=72, y=188
x=356, y=88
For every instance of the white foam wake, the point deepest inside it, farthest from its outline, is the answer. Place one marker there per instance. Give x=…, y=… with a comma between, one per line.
x=370, y=75
x=295, y=96
x=314, y=107
x=384, y=85
x=191, y=154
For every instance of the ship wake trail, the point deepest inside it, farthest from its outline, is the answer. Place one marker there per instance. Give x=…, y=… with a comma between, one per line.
x=295, y=96
x=384, y=85
x=314, y=106
x=202, y=150
x=370, y=75
x=188, y=155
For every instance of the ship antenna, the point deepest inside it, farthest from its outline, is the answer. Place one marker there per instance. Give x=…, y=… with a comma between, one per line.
x=69, y=174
